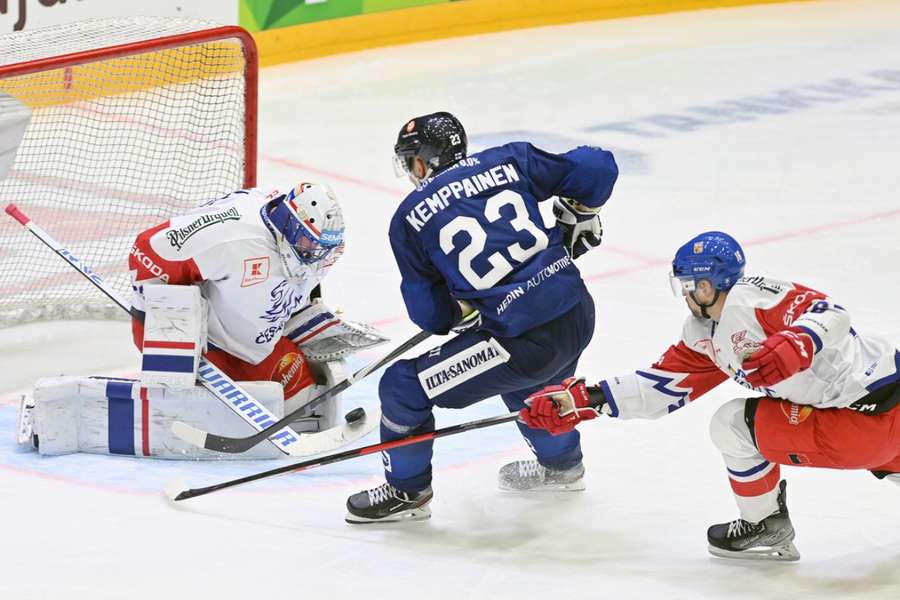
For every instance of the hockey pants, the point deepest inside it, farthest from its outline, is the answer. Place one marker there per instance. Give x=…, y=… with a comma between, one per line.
x=757, y=435
x=472, y=367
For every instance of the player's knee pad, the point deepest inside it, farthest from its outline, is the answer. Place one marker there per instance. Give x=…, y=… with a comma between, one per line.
x=729, y=431
x=404, y=404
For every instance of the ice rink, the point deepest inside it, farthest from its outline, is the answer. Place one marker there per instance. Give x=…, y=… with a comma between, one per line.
x=778, y=124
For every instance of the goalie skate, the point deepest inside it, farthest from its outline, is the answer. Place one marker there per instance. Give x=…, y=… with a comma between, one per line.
x=25, y=437
x=531, y=476
x=770, y=539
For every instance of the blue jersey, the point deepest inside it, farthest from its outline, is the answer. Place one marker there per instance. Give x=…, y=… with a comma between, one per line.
x=474, y=232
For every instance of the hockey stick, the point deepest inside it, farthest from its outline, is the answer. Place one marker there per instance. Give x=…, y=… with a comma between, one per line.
x=221, y=443
x=213, y=379
x=176, y=494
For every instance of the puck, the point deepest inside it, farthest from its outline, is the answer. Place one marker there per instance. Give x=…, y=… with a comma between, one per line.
x=357, y=414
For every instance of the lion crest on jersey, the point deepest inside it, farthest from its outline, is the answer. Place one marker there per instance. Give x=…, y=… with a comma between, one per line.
x=741, y=346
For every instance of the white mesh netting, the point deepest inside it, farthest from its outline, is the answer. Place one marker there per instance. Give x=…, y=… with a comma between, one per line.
x=115, y=145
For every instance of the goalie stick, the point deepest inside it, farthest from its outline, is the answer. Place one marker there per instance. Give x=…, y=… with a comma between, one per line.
x=221, y=443
x=213, y=379
x=175, y=492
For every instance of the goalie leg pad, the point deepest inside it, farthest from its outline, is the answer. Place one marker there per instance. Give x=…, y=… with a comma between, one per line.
x=174, y=335
x=99, y=415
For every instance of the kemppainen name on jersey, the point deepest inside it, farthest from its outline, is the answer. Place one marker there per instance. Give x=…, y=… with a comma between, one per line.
x=467, y=186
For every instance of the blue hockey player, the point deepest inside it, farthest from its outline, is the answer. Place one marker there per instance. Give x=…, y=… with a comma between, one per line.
x=477, y=257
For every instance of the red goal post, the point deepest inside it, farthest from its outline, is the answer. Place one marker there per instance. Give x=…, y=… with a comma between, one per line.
x=133, y=120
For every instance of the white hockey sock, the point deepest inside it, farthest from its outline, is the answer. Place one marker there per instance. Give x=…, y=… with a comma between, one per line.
x=757, y=508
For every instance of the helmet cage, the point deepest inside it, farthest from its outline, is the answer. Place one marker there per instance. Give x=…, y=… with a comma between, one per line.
x=309, y=243
x=681, y=287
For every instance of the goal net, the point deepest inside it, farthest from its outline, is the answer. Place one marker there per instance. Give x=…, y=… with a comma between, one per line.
x=133, y=120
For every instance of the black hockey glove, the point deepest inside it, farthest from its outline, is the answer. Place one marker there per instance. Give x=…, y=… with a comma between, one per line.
x=470, y=319
x=581, y=226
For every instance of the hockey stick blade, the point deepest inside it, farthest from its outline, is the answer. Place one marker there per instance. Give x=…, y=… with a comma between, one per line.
x=191, y=435
x=233, y=445
x=308, y=444
x=311, y=444
x=328, y=459
x=174, y=488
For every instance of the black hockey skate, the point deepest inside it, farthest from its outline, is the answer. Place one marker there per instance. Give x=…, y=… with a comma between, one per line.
x=387, y=504
x=770, y=539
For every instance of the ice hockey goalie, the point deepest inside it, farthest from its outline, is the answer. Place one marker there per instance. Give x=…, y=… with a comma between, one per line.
x=236, y=281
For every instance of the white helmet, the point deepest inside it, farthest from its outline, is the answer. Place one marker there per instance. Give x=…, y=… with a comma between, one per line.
x=310, y=220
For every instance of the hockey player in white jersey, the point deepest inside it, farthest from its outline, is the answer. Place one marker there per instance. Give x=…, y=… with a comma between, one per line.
x=234, y=278
x=257, y=255
x=825, y=395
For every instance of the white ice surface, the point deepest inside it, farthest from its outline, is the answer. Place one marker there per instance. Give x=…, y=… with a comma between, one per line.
x=811, y=191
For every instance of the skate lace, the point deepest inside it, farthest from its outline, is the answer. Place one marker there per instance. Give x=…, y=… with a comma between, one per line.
x=529, y=468
x=380, y=494
x=739, y=527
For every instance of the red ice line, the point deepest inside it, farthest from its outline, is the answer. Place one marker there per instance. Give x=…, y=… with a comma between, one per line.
x=78, y=482
x=169, y=132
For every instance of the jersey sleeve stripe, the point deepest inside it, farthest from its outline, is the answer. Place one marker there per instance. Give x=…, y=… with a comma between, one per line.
x=607, y=393
x=817, y=341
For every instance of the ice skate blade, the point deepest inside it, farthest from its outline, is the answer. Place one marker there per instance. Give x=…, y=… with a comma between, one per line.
x=575, y=486
x=781, y=552
x=408, y=516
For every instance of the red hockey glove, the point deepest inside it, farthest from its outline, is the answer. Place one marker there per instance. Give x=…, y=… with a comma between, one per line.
x=782, y=354
x=559, y=408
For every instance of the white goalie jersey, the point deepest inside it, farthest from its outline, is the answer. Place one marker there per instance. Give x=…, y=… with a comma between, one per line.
x=846, y=367
x=252, y=288
x=218, y=273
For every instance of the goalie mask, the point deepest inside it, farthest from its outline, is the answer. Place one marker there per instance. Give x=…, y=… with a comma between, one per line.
x=438, y=139
x=310, y=221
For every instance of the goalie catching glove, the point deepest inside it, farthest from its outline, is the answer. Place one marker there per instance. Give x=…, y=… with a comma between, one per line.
x=324, y=335
x=580, y=224
x=559, y=408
